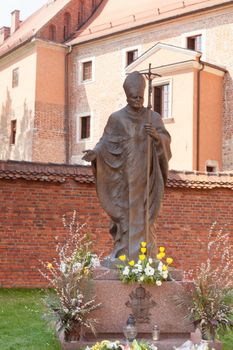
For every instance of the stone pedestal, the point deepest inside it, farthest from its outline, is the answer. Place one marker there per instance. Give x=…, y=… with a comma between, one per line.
x=150, y=304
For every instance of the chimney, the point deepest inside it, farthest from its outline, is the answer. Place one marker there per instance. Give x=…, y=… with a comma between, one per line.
x=15, y=21
x=4, y=33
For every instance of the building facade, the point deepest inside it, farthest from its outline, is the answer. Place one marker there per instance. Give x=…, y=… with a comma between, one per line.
x=190, y=49
x=76, y=76
x=33, y=87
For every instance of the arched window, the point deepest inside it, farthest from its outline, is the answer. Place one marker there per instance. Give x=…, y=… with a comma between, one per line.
x=80, y=13
x=67, y=25
x=52, y=32
x=93, y=4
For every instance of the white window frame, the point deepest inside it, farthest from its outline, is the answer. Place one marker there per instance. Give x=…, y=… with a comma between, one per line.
x=124, y=55
x=202, y=32
x=163, y=81
x=78, y=127
x=80, y=70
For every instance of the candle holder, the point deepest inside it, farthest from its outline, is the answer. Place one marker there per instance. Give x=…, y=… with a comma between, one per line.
x=155, y=333
x=130, y=330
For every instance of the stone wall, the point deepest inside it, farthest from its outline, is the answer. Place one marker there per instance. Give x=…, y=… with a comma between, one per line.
x=34, y=197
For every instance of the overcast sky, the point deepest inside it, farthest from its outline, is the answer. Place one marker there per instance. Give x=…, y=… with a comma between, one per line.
x=26, y=7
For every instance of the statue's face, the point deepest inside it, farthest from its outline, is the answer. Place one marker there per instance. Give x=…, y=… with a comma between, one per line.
x=135, y=101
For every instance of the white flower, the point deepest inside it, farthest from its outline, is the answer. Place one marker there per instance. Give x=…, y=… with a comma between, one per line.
x=139, y=267
x=135, y=271
x=150, y=260
x=149, y=271
x=77, y=266
x=158, y=283
x=95, y=262
x=153, y=347
x=126, y=271
x=164, y=274
x=141, y=279
x=63, y=267
x=160, y=266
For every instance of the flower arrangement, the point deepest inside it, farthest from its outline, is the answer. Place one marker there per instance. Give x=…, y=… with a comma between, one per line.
x=116, y=345
x=146, y=269
x=210, y=301
x=70, y=276
x=188, y=345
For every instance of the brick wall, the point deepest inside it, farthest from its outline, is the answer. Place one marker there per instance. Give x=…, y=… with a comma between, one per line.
x=79, y=12
x=34, y=197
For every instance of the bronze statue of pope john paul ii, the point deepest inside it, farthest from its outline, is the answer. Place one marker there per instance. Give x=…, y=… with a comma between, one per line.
x=120, y=166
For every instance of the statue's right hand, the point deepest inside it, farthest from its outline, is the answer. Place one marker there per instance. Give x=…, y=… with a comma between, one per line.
x=89, y=155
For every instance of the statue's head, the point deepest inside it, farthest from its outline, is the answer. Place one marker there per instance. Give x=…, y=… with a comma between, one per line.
x=134, y=86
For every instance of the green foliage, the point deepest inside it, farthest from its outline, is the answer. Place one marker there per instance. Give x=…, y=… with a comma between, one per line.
x=23, y=327
x=210, y=302
x=21, y=323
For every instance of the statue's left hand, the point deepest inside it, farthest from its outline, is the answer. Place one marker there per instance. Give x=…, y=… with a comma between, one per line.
x=150, y=130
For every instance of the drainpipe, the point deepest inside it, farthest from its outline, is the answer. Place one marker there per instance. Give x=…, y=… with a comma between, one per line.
x=198, y=111
x=66, y=118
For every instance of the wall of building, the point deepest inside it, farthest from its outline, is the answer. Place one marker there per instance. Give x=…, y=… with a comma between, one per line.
x=105, y=94
x=210, y=142
x=34, y=198
x=49, y=132
x=17, y=103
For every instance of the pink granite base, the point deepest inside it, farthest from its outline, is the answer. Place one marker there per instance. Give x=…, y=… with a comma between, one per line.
x=114, y=313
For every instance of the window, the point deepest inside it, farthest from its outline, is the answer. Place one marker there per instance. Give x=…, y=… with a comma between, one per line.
x=15, y=77
x=85, y=122
x=67, y=22
x=131, y=56
x=194, y=42
x=52, y=32
x=162, y=100
x=80, y=13
x=13, y=132
x=212, y=166
x=87, y=71
x=80, y=19
x=210, y=169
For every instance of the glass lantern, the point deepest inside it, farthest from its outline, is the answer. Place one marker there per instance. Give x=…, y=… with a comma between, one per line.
x=155, y=333
x=130, y=330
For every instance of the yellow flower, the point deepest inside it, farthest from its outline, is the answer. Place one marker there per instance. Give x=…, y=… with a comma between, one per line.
x=162, y=249
x=142, y=257
x=162, y=254
x=122, y=257
x=131, y=263
x=143, y=250
x=164, y=268
x=143, y=244
x=50, y=266
x=159, y=256
x=169, y=261
x=86, y=270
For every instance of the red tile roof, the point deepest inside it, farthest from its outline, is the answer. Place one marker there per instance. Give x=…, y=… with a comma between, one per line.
x=33, y=24
x=200, y=180
x=112, y=16
x=13, y=170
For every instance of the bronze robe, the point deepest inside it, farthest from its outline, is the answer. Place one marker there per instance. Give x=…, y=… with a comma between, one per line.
x=121, y=175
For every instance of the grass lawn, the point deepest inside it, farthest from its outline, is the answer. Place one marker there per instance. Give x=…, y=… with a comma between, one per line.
x=21, y=324
x=23, y=328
